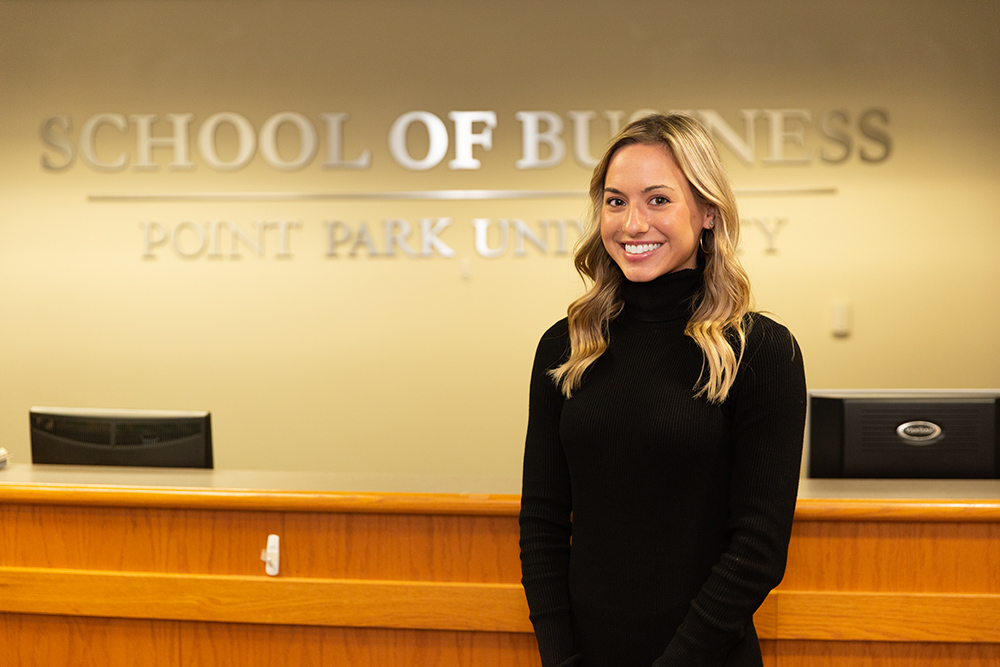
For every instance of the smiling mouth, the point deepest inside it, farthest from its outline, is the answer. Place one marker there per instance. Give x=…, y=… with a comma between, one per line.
x=639, y=248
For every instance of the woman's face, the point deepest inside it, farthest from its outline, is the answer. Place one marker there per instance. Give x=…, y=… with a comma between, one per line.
x=650, y=220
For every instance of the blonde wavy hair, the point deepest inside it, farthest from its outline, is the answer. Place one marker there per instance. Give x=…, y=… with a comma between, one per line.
x=719, y=324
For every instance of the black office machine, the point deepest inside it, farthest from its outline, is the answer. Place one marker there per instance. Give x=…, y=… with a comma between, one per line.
x=90, y=436
x=941, y=434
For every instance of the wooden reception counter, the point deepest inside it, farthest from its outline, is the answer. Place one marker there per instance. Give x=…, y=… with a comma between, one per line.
x=110, y=567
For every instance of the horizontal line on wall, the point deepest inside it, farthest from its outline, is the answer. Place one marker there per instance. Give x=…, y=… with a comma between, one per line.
x=784, y=192
x=446, y=195
x=414, y=195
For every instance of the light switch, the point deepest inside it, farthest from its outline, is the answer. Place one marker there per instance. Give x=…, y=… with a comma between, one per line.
x=842, y=319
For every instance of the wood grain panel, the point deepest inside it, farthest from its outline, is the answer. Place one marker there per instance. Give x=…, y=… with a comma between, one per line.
x=224, y=645
x=95, y=495
x=765, y=621
x=377, y=546
x=885, y=557
x=70, y=641
x=769, y=652
x=913, y=617
x=420, y=548
x=876, y=654
x=433, y=579
x=450, y=606
x=263, y=600
x=59, y=641
x=891, y=509
x=91, y=495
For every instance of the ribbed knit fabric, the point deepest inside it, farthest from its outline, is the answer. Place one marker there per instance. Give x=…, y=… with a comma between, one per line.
x=679, y=510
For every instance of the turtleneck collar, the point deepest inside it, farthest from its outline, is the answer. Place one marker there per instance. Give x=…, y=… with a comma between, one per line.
x=667, y=297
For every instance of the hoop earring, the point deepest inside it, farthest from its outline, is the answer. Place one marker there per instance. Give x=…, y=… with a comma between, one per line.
x=701, y=243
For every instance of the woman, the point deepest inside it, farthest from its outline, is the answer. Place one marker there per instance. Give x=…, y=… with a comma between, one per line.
x=665, y=427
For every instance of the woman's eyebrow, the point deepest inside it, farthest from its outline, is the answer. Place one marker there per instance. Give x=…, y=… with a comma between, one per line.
x=644, y=190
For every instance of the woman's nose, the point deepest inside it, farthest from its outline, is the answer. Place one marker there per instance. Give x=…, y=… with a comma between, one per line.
x=635, y=221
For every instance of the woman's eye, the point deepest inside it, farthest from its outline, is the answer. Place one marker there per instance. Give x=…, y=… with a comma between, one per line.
x=615, y=201
x=659, y=200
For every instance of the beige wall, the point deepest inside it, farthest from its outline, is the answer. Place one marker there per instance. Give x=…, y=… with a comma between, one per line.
x=403, y=364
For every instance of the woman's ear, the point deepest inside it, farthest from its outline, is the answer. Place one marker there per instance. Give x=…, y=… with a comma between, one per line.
x=708, y=221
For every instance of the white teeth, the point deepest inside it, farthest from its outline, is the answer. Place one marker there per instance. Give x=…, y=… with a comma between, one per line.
x=637, y=249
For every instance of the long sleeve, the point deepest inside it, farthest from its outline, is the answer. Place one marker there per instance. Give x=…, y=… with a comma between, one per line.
x=768, y=416
x=546, y=508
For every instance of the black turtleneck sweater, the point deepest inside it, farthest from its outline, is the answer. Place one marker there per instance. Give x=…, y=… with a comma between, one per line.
x=653, y=524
